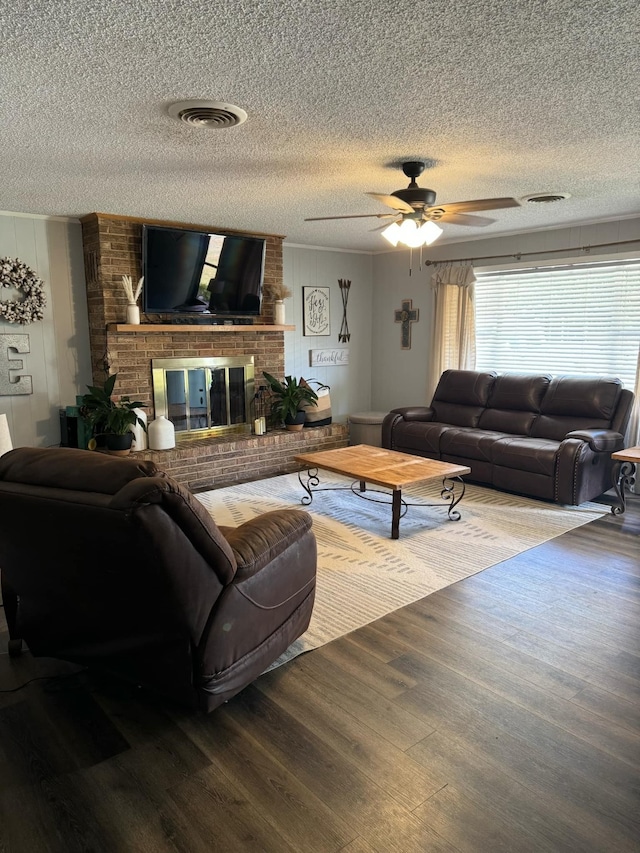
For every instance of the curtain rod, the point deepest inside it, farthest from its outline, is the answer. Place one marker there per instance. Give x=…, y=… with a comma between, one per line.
x=519, y=255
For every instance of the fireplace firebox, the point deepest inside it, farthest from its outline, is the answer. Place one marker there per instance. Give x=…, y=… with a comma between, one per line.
x=204, y=396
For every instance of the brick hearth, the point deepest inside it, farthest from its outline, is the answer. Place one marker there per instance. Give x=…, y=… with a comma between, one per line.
x=207, y=463
x=113, y=248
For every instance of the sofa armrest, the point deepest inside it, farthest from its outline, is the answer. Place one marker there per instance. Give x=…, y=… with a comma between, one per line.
x=261, y=540
x=599, y=440
x=415, y=413
x=396, y=416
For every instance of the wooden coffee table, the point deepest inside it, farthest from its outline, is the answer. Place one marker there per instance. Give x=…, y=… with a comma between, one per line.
x=387, y=468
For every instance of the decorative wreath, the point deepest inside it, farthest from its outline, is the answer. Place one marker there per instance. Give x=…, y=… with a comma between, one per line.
x=14, y=273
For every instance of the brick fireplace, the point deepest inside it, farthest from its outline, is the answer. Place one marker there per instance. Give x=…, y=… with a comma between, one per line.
x=113, y=248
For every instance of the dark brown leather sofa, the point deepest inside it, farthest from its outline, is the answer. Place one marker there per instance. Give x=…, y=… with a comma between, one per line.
x=107, y=562
x=542, y=436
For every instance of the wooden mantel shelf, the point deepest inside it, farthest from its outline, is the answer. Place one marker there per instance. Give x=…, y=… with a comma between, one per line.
x=150, y=328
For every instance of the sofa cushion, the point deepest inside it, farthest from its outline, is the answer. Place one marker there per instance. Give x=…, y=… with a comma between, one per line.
x=465, y=386
x=468, y=443
x=419, y=437
x=582, y=397
x=461, y=397
x=522, y=453
x=514, y=403
x=556, y=427
x=507, y=420
x=577, y=403
x=519, y=392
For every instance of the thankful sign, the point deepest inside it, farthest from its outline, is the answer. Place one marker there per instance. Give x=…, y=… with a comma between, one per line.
x=328, y=357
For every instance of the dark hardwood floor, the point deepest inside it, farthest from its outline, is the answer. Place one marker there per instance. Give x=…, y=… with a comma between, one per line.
x=500, y=714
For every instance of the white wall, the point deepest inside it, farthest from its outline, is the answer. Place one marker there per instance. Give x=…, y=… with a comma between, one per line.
x=305, y=267
x=59, y=361
x=400, y=377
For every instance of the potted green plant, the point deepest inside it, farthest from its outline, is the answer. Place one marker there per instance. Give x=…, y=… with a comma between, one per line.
x=288, y=398
x=109, y=419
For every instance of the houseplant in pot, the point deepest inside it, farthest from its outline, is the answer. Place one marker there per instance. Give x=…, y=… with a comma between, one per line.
x=287, y=399
x=110, y=420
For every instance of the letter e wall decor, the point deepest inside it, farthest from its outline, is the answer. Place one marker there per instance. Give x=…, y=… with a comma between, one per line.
x=23, y=384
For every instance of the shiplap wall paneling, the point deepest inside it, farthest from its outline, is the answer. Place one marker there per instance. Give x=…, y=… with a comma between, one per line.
x=58, y=357
x=304, y=267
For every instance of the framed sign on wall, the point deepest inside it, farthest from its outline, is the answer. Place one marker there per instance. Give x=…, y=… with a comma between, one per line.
x=328, y=357
x=316, y=309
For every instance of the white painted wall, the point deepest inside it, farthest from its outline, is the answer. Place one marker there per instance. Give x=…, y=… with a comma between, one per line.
x=58, y=361
x=400, y=377
x=306, y=267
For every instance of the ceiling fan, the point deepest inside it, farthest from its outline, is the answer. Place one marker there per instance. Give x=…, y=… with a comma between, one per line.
x=415, y=212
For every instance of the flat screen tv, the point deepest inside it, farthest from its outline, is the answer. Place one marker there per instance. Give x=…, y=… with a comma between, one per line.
x=189, y=272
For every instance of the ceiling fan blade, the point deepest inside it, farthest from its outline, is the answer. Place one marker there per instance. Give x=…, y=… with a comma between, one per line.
x=464, y=219
x=478, y=204
x=350, y=216
x=386, y=224
x=392, y=201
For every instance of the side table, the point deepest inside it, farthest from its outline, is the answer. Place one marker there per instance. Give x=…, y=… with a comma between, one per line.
x=624, y=474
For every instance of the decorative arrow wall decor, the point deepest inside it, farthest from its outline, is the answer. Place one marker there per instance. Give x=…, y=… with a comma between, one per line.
x=345, y=285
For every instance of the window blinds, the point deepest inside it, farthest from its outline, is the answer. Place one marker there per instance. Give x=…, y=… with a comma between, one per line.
x=571, y=319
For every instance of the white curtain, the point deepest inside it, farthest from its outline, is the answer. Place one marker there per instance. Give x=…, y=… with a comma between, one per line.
x=453, y=344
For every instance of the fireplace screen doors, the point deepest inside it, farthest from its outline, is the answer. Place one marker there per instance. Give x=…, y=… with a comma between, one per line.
x=204, y=396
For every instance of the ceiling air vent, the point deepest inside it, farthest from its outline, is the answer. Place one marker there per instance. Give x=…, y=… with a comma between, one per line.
x=210, y=114
x=545, y=198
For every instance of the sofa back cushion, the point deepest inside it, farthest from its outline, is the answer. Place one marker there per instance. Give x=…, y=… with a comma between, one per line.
x=514, y=403
x=577, y=402
x=461, y=396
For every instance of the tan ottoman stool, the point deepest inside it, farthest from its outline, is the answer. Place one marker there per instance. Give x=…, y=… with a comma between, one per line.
x=366, y=428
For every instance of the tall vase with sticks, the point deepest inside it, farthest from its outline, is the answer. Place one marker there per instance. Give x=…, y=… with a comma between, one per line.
x=133, y=311
x=279, y=292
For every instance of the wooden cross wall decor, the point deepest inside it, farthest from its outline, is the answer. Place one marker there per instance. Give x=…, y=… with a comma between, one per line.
x=406, y=315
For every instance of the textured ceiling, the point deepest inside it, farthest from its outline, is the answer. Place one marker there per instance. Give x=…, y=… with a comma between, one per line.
x=502, y=98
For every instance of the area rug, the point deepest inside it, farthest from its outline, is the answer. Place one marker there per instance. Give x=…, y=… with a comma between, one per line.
x=363, y=574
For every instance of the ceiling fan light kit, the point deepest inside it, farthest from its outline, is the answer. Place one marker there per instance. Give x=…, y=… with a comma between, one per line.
x=412, y=235
x=415, y=205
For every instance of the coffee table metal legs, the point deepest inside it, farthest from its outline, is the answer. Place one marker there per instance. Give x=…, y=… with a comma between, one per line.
x=448, y=494
x=310, y=482
x=396, y=503
x=624, y=476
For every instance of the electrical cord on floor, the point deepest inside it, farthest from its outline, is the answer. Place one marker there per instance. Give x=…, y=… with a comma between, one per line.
x=41, y=678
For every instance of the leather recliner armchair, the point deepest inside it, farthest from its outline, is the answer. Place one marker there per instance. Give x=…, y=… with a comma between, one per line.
x=109, y=563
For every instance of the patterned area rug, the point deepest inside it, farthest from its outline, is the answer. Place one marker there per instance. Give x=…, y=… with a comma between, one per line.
x=364, y=574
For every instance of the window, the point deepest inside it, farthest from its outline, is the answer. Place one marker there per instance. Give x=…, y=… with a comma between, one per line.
x=571, y=319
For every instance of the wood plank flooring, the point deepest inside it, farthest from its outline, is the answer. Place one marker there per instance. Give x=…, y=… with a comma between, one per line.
x=499, y=714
